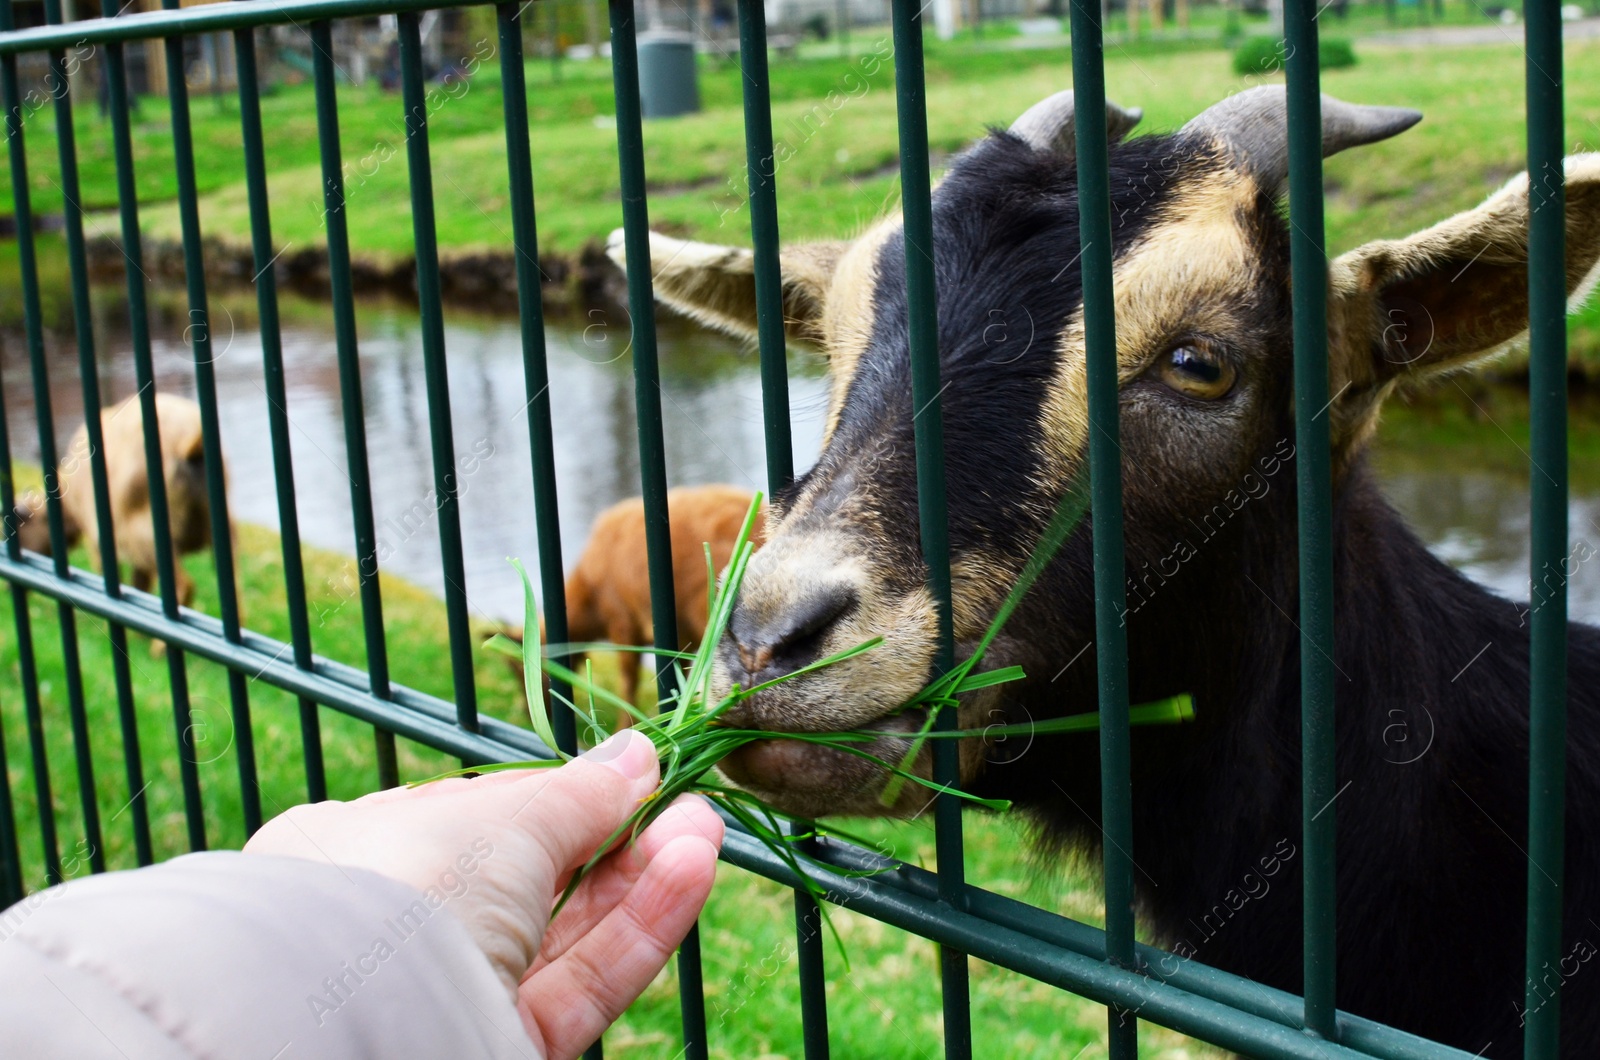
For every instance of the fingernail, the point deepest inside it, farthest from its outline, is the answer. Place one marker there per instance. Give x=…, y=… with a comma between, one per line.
x=628, y=752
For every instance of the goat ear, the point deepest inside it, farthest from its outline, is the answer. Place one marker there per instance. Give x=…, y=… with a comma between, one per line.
x=1453, y=294
x=716, y=285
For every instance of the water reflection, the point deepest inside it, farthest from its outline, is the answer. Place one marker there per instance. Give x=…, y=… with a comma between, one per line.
x=1473, y=516
x=1476, y=520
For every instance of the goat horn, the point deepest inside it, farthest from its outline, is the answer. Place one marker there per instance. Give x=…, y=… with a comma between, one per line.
x=1048, y=125
x=1254, y=125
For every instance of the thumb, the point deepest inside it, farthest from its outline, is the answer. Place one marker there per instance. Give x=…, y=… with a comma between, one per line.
x=571, y=811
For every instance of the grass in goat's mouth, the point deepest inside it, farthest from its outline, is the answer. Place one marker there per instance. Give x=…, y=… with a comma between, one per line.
x=691, y=738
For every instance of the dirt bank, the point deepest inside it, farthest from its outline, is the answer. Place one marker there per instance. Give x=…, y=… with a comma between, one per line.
x=485, y=280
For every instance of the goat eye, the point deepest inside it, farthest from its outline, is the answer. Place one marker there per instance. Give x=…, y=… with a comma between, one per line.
x=1195, y=372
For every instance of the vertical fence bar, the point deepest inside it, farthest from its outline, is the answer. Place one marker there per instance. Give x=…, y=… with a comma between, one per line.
x=11, y=889
x=144, y=373
x=1309, y=276
x=32, y=708
x=761, y=179
x=344, y=329
x=33, y=326
x=438, y=379
x=199, y=333
x=922, y=297
x=1547, y=385
x=266, y=282
x=652, y=451
x=1105, y=487
x=641, y=308
x=88, y=376
x=762, y=184
x=535, y=368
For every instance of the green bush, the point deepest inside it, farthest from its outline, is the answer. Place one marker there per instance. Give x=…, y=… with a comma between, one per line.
x=1265, y=55
x=1334, y=53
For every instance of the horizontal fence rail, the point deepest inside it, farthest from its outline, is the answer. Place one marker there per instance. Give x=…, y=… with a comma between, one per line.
x=965, y=921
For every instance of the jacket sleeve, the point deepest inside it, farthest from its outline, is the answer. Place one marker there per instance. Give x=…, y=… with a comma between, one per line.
x=245, y=955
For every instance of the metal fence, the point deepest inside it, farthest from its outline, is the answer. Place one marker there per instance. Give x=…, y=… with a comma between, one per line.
x=1107, y=966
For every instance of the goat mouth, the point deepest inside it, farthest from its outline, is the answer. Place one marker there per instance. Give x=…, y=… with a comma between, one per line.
x=814, y=780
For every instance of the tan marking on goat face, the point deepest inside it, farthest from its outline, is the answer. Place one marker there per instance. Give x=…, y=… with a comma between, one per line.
x=1181, y=278
x=847, y=316
x=978, y=584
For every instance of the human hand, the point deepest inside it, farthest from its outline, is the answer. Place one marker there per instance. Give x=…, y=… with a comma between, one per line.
x=516, y=837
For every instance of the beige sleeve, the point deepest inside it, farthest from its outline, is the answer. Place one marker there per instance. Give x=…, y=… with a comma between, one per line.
x=243, y=955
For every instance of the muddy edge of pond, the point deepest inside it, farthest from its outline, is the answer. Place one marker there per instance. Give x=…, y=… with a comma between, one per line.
x=485, y=280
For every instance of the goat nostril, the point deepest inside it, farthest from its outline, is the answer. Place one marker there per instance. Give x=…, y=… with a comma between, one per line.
x=757, y=659
x=793, y=637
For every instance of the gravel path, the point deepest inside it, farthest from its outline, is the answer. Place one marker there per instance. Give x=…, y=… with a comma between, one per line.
x=1583, y=29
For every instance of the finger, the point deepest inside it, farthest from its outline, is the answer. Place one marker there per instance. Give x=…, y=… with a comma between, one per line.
x=628, y=839
x=577, y=997
x=572, y=811
x=613, y=878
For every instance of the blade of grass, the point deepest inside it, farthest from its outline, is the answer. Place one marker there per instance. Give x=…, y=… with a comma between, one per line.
x=538, y=712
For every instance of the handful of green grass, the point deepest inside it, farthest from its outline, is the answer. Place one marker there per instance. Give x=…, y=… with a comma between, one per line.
x=691, y=738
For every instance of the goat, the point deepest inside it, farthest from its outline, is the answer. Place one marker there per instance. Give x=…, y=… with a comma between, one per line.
x=1431, y=874
x=122, y=434
x=608, y=591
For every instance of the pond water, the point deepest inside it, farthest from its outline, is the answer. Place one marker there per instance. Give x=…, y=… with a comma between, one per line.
x=1468, y=501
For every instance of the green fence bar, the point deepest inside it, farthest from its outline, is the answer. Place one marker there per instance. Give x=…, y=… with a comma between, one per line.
x=642, y=313
x=761, y=169
x=1309, y=277
x=536, y=370
x=198, y=332
x=34, y=330
x=535, y=366
x=1105, y=487
x=144, y=374
x=32, y=710
x=761, y=182
x=211, y=18
x=137, y=806
x=928, y=423
x=266, y=283
x=447, y=506
x=34, y=718
x=45, y=422
x=1548, y=573
x=344, y=332
x=11, y=888
x=652, y=451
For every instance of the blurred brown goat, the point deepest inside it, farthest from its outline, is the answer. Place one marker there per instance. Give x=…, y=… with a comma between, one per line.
x=122, y=433
x=608, y=591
